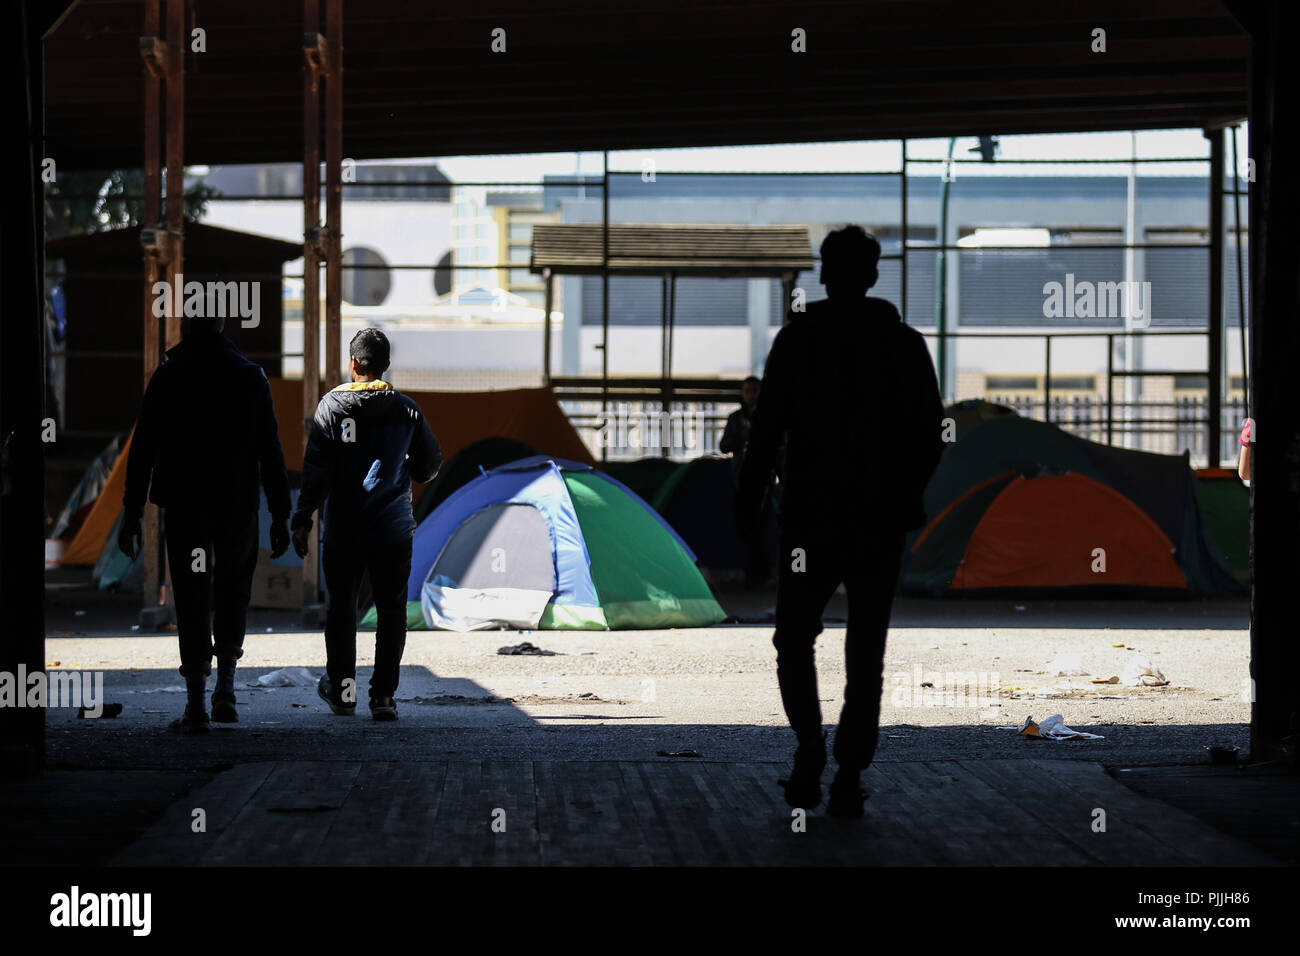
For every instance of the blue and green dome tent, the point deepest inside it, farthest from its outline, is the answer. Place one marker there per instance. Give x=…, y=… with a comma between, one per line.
x=548, y=543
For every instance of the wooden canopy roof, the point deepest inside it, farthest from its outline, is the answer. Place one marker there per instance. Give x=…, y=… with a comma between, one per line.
x=658, y=249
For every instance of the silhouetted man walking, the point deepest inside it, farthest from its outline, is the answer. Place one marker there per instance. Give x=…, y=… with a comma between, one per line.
x=853, y=392
x=205, y=437
x=366, y=445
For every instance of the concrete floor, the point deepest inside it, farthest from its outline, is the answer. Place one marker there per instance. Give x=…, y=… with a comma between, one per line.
x=637, y=709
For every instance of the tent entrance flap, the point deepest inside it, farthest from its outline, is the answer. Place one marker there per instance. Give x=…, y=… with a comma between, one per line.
x=474, y=609
x=497, y=568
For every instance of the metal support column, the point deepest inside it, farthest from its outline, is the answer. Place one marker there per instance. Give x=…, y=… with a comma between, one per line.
x=175, y=160
x=333, y=190
x=604, y=303
x=314, y=60
x=546, y=326
x=1213, y=446
x=153, y=51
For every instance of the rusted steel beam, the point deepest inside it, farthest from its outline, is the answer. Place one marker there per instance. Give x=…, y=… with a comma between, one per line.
x=153, y=55
x=175, y=157
x=313, y=64
x=333, y=190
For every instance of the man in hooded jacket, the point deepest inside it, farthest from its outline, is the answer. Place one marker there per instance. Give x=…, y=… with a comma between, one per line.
x=367, y=442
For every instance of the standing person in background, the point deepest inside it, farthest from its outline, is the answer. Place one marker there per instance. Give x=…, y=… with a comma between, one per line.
x=205, y=437
x=1247, y=440
x=366, y=444
x=735, y=438
x=846, y=385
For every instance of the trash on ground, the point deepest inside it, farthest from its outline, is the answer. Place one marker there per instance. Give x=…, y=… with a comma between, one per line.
x=287, y=677
x=1223, y=755
x=108, y=710
x=1069, y=666
x=1053, y=728
x=1117, y=645
x=1106, y=680
x=1140, y=671
x=589, y=696
x=526, y=648
x=678, y=753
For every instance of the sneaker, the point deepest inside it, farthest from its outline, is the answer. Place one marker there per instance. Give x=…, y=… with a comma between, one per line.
x=803, y=789
x=383, y=708
x=193, y=721
x=325, y=688
x=847, y=797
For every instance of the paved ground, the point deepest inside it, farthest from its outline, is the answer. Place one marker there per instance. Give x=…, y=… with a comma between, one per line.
x=596, y=747
x=628, y=695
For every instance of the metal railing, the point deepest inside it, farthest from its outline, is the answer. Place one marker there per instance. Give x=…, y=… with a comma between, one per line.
x=682, y=418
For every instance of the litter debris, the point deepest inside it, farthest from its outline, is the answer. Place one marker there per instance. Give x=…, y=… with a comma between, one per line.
x=1069, y=666
x=526, y=648
x=589, y=696
x=109, y=710
x=286, y=677
x=1106, y=680
x=1117, y=645
x=53, y=663
x=678, y=753
x=1223, y=755
x=1053, y=728
x=1141, y=672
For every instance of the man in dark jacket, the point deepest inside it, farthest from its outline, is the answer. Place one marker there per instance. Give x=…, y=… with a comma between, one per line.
x=735, y=436
x=366, y=444
x=852, y=391
x=205, y=438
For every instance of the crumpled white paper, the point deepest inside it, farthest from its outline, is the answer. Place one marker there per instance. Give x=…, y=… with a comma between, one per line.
x=1053, y=728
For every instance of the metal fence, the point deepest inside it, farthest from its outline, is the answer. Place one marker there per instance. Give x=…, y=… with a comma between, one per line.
x=641, y=429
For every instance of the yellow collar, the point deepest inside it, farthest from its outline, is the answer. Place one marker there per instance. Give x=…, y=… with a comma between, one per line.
x=377, y=385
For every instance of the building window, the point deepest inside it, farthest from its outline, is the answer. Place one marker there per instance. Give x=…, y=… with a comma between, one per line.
x=1010, y=383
